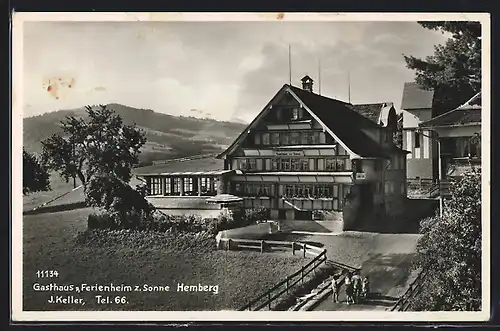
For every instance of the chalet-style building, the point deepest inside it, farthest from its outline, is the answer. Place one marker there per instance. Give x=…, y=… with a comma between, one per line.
x=416, y=108
x=303, y=157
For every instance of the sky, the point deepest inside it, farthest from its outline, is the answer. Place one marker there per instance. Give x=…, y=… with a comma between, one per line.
x=221, y=70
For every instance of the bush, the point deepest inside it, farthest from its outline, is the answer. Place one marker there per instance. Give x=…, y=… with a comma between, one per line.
x=146, y=221
x=255, y=215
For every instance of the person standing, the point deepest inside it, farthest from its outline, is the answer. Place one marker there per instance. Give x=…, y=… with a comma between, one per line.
x=366, y=287
x=356, y=282
x=335, y=288
x=349, y=289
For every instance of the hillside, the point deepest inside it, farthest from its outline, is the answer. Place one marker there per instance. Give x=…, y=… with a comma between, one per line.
x=167, y=136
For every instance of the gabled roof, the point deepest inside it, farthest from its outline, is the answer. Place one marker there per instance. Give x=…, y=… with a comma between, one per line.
x=414, y=97
x=468, y=113
x=306, y=78
x=336, y=116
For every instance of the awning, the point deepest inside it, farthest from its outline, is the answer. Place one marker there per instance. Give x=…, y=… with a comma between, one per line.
x=224, y=198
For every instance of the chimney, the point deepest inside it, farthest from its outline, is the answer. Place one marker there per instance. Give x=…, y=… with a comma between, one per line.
x=307, y=83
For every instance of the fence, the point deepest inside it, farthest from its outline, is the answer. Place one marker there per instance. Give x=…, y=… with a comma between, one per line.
x=405, y=300
x=266, y=299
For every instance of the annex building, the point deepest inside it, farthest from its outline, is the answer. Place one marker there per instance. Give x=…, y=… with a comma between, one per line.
x=303, y=157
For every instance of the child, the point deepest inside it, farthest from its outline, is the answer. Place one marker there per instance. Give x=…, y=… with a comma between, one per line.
x=335, y=288
x=366, y=287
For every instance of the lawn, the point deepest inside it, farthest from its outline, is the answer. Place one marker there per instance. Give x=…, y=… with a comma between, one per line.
x=53, y=241
x=58, y=187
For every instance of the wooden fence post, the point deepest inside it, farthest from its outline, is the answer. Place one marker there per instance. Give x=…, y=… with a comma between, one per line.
x=287, y=285
x=304, y=246
x=269, y=300
x=229, y=244
x=293, y=248
x=302, y=275
x=262, y=246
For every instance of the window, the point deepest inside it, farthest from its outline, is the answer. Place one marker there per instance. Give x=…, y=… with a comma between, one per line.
x=330, y=164
x=188, y=185
x=242, y=164
x=295, y=138
x=305, y=138
x=285, y=164
x=168, y=186
x=315, y=138
x=305, y=164
x=295, y=113
x=275, y=138
x=265, y=139
x=155, y=186
x=340, y=165
x=205, y=185
x=417, y=140
x=251, y=164
x=284, y=138
x=177, y=186
x=275, y=164
x=257, y=138
x=295, y=164
x=238, y=188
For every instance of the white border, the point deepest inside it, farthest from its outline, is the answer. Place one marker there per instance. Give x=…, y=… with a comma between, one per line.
x=18, y=315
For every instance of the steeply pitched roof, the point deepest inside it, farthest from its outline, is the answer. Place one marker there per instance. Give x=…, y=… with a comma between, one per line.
x=415, y=97
x=339, y=117
x=468, y=113
x=345, y=123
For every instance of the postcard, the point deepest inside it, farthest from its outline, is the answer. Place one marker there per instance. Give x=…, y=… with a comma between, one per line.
x=250, y=166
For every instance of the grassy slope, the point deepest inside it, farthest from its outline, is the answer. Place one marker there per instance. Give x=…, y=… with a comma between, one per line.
x=168, y=136
x=50, y=243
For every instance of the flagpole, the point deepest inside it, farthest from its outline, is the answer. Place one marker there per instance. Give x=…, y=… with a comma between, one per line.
x=289, y=64
x=349, y=85
x=319, y=75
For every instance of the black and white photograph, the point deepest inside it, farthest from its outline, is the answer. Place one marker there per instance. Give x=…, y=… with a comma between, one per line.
x=250, y=166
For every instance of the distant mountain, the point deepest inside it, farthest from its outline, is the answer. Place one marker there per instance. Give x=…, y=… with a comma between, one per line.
x=167, y=136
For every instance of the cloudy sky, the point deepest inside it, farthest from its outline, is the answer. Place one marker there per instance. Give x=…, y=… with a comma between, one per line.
x=222, y=70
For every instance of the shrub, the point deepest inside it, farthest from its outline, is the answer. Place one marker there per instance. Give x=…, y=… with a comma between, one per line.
x=255, y=215
x=146, y=221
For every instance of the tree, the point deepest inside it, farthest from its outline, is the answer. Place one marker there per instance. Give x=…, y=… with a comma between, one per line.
x=35, y=176
x=450, y=251
x=101, y=144
x=454, y=70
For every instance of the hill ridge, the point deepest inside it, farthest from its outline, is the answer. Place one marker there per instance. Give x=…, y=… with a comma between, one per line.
x=168, y=136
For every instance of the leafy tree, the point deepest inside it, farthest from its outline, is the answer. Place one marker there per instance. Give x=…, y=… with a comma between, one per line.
x=101, y=144
x=454, y=70
x=35, y=176
x=126, y=207
x=450, y=251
